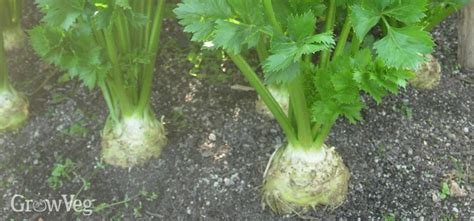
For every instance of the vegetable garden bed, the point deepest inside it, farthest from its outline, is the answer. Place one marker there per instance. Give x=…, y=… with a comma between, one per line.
x=218, y=145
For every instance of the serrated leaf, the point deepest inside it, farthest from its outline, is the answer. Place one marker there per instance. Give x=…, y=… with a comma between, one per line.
x=249, y=11
x=286, y=54
x=366, y=14
x=125, y=4
x=301, y=26
x=199, y=17
x=406, y=11
x=62, y=13
x=404, y=47
x=45, y=41
x=232, y=36
x=363, y=20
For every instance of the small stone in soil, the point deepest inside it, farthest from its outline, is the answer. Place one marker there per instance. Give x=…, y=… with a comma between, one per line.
x=212, y=137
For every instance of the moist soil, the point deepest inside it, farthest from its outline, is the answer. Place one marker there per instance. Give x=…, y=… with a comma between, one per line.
x=212, y=168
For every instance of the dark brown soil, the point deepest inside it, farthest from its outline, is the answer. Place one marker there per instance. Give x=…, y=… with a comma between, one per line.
x=219, y=146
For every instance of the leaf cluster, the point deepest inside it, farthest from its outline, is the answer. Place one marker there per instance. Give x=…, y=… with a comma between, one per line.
x=375, y=64
x=71, y=36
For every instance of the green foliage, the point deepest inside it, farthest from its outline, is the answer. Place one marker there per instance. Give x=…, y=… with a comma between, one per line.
x=61, y=172
x=389, y=217
x=62, y=13
x=77, y=130
x=105, y=43
x=382, y=64
x=284, y=63
x=444, y=192
x=401, y=47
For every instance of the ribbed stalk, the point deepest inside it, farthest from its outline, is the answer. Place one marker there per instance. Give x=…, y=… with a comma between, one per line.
x=4, y=83
x=267, y=98
x=346, y=30
x=152, y=48
x=330, y=19
x=271, y=15
x=299, y=103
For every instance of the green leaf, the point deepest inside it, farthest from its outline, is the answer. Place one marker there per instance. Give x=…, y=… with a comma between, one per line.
x=199, y=17
x=123, y=4
x=363, y=20
x=62, y=13
x=283, y=64
x=249, y=11
x=232, y=36
x=366, y=14
x=301, y=26
x=337, y=93
x=46, y=42
x=406, y=11
x=404, y=47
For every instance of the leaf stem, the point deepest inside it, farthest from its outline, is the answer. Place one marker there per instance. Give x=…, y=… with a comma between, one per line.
x=330, y=19
x=152, y=47
x=271, y=15
x=355, y=44
x=4, y=83
x=267, y=98
x=118, y=86
x=346, y=30
x=298, y=102
x=322, y=136
x=262, y=50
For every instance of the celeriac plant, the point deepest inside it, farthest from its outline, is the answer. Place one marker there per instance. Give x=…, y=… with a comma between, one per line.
x=13, y=105
x=320, y=51
x=111, y=44
x=428, y=74
x=12, y=31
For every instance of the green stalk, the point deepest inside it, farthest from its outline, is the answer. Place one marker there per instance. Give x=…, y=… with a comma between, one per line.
x=109, y=102
x=298, y=102
x=271, y=15
x=153, y=48
x=316, y=129
x=16, y=7
x=330, y=18
x=4, y=83
x=5, y=16
x=322, y=136
x=121, y=33
x=355, y=44
x=267, y=98
x=262, y=50
x=118, y=87
x=149, y=6
x=346, y=30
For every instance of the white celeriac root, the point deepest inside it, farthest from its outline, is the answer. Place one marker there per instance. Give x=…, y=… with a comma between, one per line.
x=132, y=142
x=428, y=75
x=14, y=38
x=13, y=110
x=299, y=180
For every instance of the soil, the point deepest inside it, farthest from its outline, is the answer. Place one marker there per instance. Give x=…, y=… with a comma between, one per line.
x=212, y=168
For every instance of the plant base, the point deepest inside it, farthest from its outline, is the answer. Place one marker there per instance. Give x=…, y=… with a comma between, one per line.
x=299, y=180
x=13, y=110
x=281, y=96
x=14, y=38
x=132, y=142
x=428, y=75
